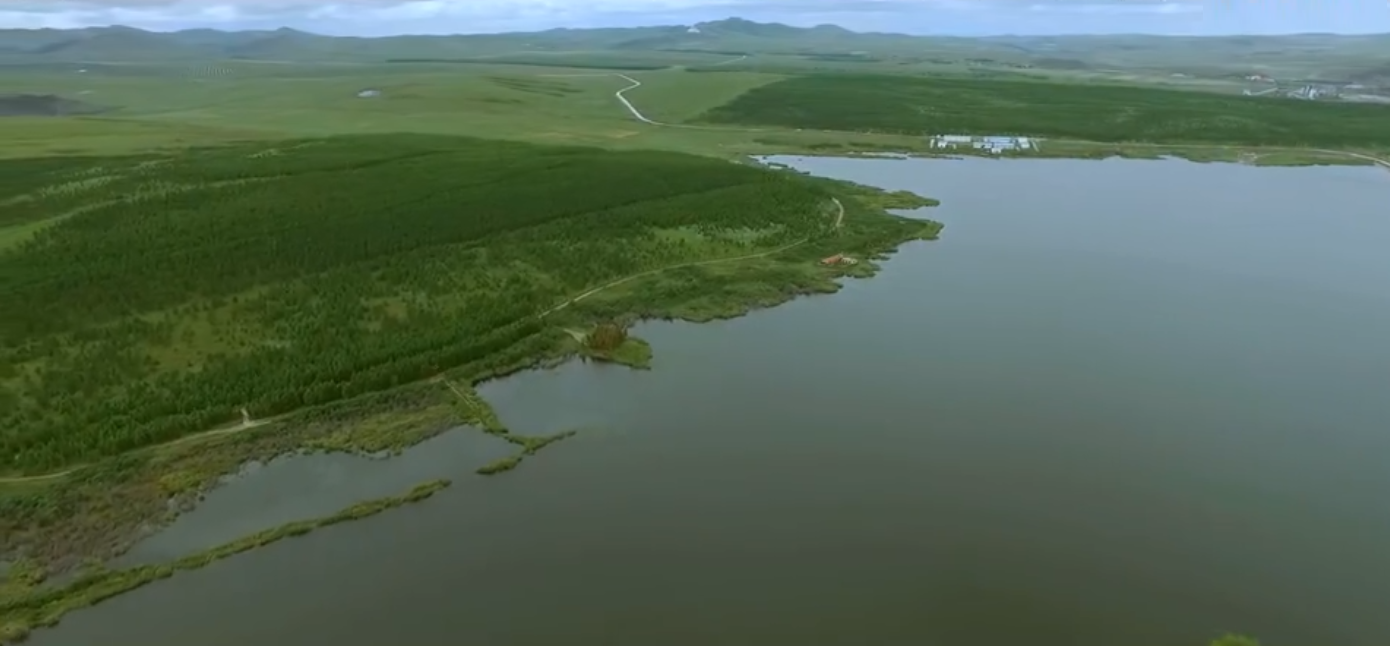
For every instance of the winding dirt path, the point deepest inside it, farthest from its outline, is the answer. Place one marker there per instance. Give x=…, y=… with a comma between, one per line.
x=628, y=104
x=839, y=222
x=1375, y=160
x=187, y=439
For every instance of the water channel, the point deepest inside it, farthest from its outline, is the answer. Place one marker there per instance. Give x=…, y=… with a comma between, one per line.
x=1119, y=402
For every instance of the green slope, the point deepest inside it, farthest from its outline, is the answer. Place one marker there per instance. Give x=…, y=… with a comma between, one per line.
x=1092, y=112
x=149, y=299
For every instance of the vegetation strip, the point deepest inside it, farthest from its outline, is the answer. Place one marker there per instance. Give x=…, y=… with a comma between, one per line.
x=26, y=605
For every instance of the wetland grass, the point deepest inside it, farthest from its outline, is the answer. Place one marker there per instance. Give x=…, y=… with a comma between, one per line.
x=530, y=445
x=26, y=604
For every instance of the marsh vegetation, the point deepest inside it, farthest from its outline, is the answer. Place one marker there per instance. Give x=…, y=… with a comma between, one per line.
x=27, y=603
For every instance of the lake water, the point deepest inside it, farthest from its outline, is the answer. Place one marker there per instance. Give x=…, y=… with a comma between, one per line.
x=1119, y=402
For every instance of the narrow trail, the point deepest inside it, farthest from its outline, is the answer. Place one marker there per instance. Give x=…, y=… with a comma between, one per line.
x=839, y=222
x=247, y=423
x=1375, y=160
x=187, y=439
x=621, y=95
x=628, y=104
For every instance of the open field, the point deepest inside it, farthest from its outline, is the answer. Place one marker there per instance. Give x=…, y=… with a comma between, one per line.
x=537, y=104
x=1100, y=113
x=149, y=107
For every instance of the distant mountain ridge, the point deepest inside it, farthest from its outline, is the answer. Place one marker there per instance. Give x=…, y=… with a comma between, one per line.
x=729, y=36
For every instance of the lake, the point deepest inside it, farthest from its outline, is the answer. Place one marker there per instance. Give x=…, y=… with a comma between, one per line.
x=1119, y=402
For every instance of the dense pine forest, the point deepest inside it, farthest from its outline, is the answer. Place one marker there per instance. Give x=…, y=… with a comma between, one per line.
x=1109, y=113
x=149, y=298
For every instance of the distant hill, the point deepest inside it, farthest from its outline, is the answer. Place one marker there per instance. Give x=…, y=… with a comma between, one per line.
x=1329, y=56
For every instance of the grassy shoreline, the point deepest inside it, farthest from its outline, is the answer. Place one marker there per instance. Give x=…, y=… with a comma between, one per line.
x=100, y=510
x=29, y=605
x=1094, y=150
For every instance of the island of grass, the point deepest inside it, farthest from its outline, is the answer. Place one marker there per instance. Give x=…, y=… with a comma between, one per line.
x=1040, y=108
x=169, y=317
x=609, y=342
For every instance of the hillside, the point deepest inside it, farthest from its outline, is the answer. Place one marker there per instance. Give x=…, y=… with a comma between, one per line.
x=1324, y=57
x=1091, y=112
x=158, y=297
x=170, y=317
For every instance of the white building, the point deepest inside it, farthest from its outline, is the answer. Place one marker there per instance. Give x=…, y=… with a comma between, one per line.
x=994, y=145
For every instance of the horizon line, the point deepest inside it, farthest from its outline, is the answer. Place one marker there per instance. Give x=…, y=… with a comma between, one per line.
x=286, y=28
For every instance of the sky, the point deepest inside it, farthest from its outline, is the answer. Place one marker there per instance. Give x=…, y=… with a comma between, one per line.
x=954, y=17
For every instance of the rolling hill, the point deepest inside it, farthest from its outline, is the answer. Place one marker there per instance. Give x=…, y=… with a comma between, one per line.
x=1319, y=57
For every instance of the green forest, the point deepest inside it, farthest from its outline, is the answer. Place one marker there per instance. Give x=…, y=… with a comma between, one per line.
x=150, y=298
x=1094, y=112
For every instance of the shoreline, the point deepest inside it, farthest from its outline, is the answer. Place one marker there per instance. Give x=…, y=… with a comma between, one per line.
x=25, y=608
x=1097, y=151
x=166, y=480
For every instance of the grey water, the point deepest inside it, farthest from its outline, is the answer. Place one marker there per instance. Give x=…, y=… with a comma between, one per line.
x=264, y=496
x=1119, y=402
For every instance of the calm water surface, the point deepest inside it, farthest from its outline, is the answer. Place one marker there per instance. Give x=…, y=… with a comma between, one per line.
x=1120, y=402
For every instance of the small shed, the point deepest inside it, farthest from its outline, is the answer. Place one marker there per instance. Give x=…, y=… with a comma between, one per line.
x=368, y=94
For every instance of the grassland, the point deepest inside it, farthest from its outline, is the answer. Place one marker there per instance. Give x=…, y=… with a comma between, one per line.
x=1100, y=113
x=151, y=107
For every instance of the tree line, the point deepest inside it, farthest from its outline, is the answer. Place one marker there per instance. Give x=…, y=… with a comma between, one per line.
x=1094, y=112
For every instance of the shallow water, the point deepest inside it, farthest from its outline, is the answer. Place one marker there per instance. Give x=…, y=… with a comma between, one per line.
x=297, y=487
x=1120, y=402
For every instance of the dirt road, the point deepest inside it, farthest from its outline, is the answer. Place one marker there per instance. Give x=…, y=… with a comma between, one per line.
x=216, y=432
x=1376, y=160
x=839, y=222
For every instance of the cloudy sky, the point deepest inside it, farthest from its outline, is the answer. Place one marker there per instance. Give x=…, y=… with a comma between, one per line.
x=966, y=17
